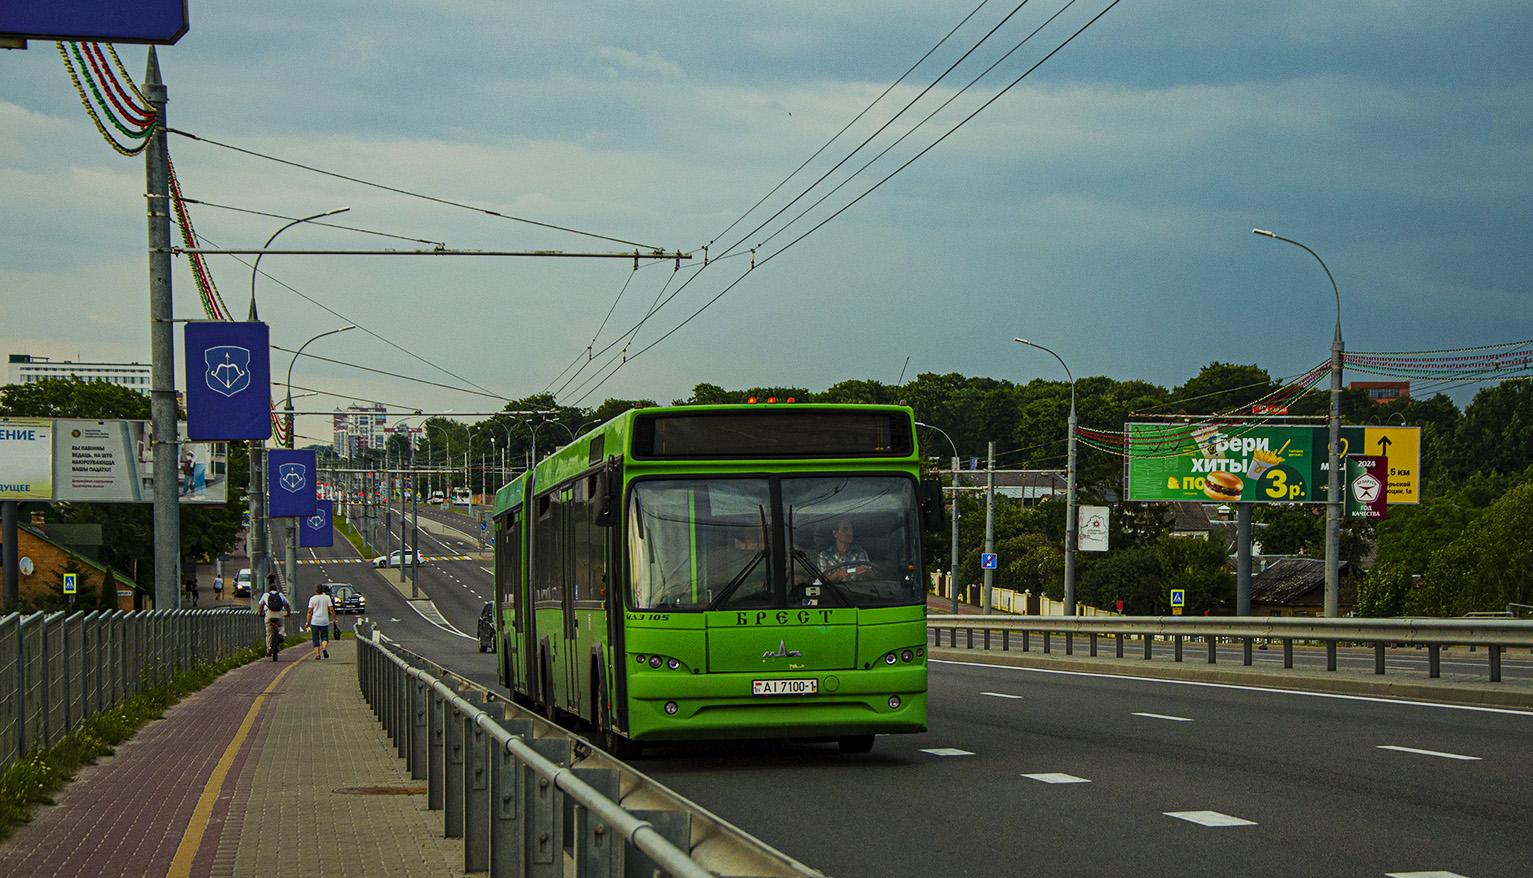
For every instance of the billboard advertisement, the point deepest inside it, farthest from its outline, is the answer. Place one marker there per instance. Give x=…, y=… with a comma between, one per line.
x=228, y=381
x=1258, y=463
x=290, y=483
x=26, y=459
x=112, y=461
x=317, y=530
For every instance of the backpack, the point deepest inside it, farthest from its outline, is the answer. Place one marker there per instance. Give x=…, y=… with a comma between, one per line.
x=274, y=601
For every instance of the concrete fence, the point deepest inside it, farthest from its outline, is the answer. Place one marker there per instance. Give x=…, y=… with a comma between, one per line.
x=57, y=669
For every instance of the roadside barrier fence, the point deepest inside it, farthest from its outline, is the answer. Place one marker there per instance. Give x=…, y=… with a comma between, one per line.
x=1495, y=635
x=57, y=669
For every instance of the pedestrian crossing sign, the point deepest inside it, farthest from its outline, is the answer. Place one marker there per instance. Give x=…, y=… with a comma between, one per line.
x=69, y=583
x=1178, y=597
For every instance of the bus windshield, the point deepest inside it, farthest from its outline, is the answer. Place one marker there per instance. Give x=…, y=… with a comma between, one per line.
x=712, y=543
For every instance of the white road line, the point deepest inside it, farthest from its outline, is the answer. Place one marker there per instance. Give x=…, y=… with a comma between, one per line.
x=999, y=695
x=947, y=751
x=1056, y=777
x=439, y=621
x=1209, y=818
x=1175, y=719
x=1437, y=874
x=1400, y=702
x=1429, y=753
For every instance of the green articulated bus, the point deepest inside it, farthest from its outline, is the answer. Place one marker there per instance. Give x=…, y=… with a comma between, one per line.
x=721, y=572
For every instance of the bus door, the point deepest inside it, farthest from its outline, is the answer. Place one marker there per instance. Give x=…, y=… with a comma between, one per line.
x=570, y=664
x=511, y=599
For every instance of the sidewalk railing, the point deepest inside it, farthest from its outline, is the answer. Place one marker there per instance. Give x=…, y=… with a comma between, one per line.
x=57, y=669
x=529, y=798
x=506, y=793
x=1495, y=635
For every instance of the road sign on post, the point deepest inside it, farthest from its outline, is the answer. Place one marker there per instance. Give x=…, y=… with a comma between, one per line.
x=1178, y=600
x=70, y=583
x=987, y=560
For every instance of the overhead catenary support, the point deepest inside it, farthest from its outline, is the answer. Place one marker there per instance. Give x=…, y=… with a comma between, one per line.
x=162, y=353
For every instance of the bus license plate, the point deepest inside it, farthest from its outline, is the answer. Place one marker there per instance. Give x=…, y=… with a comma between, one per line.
x=784, y=687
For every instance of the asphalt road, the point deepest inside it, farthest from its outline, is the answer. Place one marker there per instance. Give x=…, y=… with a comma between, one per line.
x=1031, y=771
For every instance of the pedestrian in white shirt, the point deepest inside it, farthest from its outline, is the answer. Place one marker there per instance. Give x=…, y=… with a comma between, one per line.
x=321, y=612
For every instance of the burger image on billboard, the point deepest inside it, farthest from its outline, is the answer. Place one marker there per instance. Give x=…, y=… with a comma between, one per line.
x=1223, y=486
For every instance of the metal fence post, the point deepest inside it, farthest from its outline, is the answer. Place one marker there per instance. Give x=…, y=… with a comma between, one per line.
x=508, y=830
x=422, y=701
x=476, y=805
x=452, y=778
x=598, y=854
x=545, y=807
x=435, y=740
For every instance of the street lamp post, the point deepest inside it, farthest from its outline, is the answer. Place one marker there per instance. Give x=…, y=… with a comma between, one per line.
x=953, y=570
x=292, y=524
x=1069, y=486
x=260, y=524
x=1333, y=499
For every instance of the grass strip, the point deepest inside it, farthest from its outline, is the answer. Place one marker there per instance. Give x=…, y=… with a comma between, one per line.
x=34, y=778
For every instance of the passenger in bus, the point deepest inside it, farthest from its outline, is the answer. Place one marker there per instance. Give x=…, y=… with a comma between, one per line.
x=844, y=560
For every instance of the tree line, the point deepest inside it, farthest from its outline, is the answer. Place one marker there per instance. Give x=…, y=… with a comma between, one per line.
x=1462, y=549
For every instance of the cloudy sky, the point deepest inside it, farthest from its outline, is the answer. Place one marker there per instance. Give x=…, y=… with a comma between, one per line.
x=1102, y=206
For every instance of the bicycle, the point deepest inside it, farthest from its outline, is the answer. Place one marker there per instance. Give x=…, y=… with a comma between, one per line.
x=274, y=637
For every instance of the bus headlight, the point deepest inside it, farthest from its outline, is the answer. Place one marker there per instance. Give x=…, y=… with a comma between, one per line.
x=671, y=707
x=890, y=659
x=894, y=702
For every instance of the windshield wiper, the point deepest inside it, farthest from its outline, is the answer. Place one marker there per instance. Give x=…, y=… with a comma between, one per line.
x=820, y=578
x=735, y=583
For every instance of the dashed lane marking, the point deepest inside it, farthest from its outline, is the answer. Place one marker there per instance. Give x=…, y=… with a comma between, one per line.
x=1175, y=719
x=1209, y=818
x=1438, y=874
x=999, y=695
x=1429, y=753
x=947, y=751
x=1056, y=777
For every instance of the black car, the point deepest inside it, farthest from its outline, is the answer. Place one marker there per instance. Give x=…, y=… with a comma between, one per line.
x=347, y=598
x=487, y=628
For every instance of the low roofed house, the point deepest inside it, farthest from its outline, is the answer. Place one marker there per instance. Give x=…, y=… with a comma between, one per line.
x=1296, y=587
x=44, y=562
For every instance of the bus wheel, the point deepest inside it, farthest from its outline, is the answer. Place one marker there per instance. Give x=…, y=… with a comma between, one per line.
x=620, y=747
x=855, y=743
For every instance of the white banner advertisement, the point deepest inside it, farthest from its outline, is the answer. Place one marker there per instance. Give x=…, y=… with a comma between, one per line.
x=113, y=462
x=26, y=459
x=1092, y=533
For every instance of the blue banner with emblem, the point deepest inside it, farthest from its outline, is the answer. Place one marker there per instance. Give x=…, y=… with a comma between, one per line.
x=316, y=530
x=290, y=487
x=228, y=381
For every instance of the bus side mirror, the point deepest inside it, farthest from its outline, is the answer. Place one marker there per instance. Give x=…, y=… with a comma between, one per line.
x=606, y=506
x=932, y=515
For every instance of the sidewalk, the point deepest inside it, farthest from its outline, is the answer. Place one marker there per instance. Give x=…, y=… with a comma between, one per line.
x=274, y=763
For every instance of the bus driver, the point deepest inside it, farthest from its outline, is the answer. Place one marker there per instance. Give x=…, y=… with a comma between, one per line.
x=844, y=560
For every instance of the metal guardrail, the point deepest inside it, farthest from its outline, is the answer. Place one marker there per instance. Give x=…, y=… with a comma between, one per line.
x=517, y=799
x=1495, y=635
x=58, y=669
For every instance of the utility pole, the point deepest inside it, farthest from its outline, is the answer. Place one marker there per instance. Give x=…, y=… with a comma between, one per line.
x=989, y=523
x=162, y=353
x=952, y=575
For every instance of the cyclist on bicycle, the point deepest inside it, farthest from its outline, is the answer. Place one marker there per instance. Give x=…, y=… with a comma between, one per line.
x=274, y=608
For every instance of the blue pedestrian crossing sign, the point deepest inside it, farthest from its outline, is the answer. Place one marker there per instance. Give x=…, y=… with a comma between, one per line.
x=987, y=560
x=1178, y=597
x=69, y=583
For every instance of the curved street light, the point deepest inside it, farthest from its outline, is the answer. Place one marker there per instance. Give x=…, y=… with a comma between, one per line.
x=255, y=266
x=259, y=522
x=1333, y=499
x=1069, y=486
x=953, y=570
x=292, y=524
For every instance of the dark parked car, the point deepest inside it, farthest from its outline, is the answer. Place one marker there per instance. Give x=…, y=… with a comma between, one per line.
x=347, y=598
x=487, y=628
